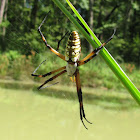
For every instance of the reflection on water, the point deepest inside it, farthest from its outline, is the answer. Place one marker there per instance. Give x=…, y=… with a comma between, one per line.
x=25, y=115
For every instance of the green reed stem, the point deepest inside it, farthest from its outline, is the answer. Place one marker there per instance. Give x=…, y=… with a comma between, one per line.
x=103, y=53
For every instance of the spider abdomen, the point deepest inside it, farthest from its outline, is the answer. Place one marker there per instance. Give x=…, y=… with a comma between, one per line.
x=73, y=48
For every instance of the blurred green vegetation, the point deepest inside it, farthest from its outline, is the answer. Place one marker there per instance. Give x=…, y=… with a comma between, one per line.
x=19, y=27
x=94, y=74
x=22, y=49
x=26, y=112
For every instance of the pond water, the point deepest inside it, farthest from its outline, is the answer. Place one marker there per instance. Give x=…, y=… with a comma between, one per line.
x=26, y=115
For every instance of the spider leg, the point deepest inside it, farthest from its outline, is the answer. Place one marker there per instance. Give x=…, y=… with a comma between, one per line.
x=87, y=60
x=37, y=68
x=47, y=45
x=49, y=73
x=79, y=91
x=95, y=52
x=52, y=78
x=61, y=40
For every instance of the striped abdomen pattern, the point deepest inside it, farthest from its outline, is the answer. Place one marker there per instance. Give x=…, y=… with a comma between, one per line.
x=73, y=48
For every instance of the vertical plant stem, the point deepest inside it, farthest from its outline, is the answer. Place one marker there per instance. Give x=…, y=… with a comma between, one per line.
x=104, y=53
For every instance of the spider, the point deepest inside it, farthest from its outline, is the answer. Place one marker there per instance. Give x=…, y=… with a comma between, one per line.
x=72, y=55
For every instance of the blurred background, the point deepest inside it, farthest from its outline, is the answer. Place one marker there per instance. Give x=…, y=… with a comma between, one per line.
x=53, y=113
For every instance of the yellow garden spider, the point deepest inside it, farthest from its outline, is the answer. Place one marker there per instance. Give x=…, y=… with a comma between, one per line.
x=72, y=54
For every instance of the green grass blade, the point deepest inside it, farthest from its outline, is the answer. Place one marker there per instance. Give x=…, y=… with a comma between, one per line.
x=104, y=53
x=84, y=23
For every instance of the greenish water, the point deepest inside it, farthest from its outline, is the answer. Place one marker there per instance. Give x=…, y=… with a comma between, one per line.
x=27, y=115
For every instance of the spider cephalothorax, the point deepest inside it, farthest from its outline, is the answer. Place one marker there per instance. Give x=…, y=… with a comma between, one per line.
x=72, y=55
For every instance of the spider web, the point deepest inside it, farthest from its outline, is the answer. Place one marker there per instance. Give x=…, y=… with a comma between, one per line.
x=28, y=48
x=69, y=93
x=54, y=90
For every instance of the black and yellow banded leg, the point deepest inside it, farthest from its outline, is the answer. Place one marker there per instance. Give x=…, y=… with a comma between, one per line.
x=79, y=92
x=51, y=79
x=84, y=62
x=49, y=73
x=94, y=52
x=47, y=45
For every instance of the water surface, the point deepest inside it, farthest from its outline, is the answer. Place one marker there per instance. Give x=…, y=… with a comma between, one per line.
x=26, y=115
